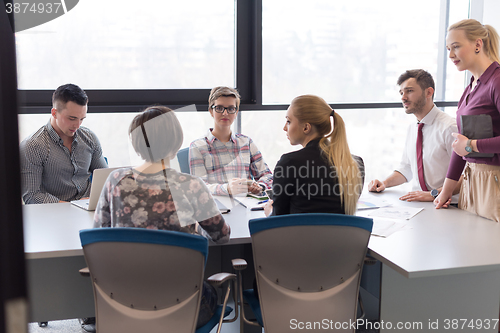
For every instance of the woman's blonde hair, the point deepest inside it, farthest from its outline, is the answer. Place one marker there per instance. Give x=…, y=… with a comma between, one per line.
x=474, y=29
x=315, y=111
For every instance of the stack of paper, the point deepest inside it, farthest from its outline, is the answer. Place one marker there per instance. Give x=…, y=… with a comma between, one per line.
x=388, y=220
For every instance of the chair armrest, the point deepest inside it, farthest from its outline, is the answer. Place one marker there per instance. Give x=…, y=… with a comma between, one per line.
x=84, y=271
x=239, y=264
x=370, y=261
x=220, y=278
x=217, y=280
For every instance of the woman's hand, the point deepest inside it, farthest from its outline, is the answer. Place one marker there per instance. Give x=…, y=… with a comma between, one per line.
x=442, y=200
x=459, y=144
x=268, y=207
x=254, y=188
x=237, y=186
x=444, y=197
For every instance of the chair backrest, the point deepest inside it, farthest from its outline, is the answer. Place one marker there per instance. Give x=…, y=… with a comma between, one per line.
x=183, y=158
x=308, y=268
x=145, y=280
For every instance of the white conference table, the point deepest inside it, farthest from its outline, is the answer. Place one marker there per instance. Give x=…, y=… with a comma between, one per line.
x=52, y=230
x=54, y=257
x=444, y=270
x=446, y=267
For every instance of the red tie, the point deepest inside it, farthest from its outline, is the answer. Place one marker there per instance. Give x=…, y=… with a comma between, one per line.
x=420, y=162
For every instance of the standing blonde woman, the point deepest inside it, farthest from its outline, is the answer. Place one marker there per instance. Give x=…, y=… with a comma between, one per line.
x=474, y=47
x=323, y=176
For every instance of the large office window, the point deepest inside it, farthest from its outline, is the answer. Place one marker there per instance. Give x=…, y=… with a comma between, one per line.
x=377, y=135
x=112, y=131
x=123, y=44
x=348, y=52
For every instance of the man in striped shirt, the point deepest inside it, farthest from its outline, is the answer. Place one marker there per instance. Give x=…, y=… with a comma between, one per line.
x=58, y=159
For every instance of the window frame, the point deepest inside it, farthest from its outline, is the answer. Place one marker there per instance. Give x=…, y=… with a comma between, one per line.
x=248, y=77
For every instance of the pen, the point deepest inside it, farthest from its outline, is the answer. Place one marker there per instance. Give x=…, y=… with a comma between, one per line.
x=261, y=202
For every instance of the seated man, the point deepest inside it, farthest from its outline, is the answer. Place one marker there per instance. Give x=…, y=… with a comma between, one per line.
x=228, y=161
x=58, y=159
x=425, y=160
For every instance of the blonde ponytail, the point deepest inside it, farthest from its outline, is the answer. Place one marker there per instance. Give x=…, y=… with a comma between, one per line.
x=315, y=111
x=338, y=153
x=475, y=30
x=492, y=43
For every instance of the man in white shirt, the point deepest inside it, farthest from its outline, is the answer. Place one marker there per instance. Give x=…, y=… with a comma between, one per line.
x=417, y=93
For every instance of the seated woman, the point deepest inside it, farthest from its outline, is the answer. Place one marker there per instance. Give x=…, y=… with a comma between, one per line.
x=226, y=161
x=322, y=177
x=153, y=196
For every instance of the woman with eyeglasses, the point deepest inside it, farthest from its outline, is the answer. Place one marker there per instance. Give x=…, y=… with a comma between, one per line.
x=474, y=47
x=229, y=163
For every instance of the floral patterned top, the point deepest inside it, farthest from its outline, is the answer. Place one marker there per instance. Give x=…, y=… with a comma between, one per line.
x=178, y=202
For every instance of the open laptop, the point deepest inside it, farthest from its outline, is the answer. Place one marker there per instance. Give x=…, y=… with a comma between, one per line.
x=98, y=179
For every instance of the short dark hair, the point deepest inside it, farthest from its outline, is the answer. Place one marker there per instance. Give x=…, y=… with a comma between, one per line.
x=68, y=93
x=423, y=78
x=163, y=133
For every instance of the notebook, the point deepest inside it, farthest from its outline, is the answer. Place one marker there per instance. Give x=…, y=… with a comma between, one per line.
x=98, y=179
x=477, y=127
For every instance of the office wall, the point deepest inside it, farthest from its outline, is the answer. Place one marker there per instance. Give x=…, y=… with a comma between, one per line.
x=491, y=13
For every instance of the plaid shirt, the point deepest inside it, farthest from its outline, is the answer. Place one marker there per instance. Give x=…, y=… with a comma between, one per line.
x=216, y=162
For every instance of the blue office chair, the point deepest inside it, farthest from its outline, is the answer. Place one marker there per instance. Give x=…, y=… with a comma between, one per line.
x=308, y=268
x=149, y=280
x=183, y=159
x=90, y=177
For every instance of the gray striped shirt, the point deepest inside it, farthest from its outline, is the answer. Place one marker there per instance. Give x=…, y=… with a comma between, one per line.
x=50, y=172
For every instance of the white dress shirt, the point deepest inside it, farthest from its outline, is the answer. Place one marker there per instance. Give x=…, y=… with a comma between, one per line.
x=436, y=147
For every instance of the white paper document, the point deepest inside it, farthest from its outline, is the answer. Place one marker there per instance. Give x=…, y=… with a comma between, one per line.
x=386, y=227
x=396, y=212
x=367, y=201
x=247, y=202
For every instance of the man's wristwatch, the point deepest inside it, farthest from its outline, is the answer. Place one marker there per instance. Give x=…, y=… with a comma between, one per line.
x=468, y=147
x=434, y=193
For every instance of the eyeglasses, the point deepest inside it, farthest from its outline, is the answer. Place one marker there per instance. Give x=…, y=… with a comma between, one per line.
x=221, y=109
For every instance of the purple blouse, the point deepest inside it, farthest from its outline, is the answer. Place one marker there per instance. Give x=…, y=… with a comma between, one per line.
x=484, y=99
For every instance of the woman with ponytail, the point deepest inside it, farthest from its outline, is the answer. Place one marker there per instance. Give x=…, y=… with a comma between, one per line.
x=474, y=47
x=322, y=177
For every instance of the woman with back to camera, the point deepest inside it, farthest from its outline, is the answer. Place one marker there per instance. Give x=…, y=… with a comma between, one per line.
x=474, y=47
x=154, y=196
x=323, y=176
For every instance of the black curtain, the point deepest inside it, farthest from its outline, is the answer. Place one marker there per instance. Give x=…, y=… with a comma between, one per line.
x=12, y=266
